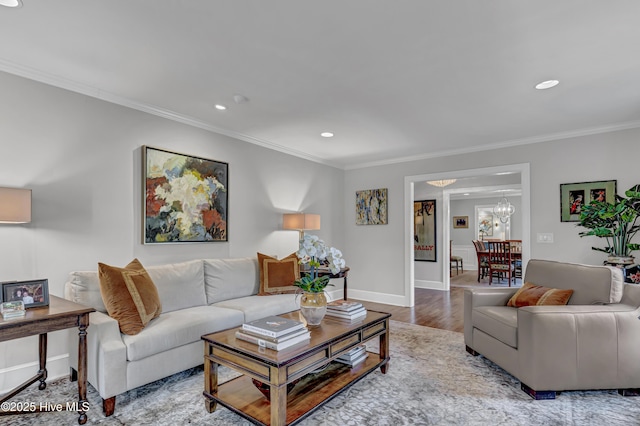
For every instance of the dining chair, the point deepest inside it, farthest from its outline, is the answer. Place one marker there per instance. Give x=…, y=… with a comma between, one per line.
x=483, y=259
x=456, y=259
x=516, y=257
x=500, y=261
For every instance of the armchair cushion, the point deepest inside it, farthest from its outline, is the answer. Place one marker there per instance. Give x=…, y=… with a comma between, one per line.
x=532, y=295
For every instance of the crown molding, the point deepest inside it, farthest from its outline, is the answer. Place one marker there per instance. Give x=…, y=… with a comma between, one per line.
x=64, y=83
x=507, y=144
x=73, y=86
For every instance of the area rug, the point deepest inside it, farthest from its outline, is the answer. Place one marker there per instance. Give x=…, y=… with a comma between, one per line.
x=431, y=380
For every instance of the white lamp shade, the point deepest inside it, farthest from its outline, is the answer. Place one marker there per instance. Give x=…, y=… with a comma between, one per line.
x=15, y=205
x=301, y=221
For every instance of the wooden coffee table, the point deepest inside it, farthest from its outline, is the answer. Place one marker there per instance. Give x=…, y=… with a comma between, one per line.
x=309, y=365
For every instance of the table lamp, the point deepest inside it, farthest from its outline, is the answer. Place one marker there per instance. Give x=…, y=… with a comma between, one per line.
x=15, y=205
x=301, y=222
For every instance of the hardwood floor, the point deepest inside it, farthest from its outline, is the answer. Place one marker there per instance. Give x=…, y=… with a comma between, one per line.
x=436, y=308
x=433, y=308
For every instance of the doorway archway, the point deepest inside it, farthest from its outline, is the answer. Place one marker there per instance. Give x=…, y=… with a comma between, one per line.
x=443, y=258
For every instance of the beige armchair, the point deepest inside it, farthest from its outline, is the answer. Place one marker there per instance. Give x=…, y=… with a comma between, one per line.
x=591, y=343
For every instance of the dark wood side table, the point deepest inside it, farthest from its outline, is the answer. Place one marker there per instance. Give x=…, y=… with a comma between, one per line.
x=59, y=315
x=342, y=274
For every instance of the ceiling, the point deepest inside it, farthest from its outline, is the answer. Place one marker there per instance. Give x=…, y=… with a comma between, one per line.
x=392, y=79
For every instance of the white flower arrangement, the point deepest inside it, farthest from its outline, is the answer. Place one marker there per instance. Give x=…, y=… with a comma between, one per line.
x=315, y=253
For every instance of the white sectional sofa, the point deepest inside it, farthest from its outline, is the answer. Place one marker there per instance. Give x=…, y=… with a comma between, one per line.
x=198, y=297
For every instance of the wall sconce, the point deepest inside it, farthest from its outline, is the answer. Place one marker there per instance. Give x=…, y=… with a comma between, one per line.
x=15, y=205
x=301, y=222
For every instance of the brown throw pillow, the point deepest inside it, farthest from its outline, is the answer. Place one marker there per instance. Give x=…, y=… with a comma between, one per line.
x=129, y=295
x=532, y=295
x=277, y=276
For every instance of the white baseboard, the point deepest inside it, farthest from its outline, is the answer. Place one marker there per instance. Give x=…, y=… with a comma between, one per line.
x=433, y=285
x=370, y=296
x=10, y=377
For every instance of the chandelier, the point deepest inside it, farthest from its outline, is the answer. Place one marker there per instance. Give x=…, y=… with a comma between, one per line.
x=504, y=209
x=441, y=183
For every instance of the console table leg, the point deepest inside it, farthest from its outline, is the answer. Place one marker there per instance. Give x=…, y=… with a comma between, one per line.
x=42, y=373
x=83, y=323
x=345, y=286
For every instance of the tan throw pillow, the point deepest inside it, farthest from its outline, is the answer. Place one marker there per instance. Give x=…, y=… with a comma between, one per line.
x=277, y=276
x=532, y=295
x=129, y=295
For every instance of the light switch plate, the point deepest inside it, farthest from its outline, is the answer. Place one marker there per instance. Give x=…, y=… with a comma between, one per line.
x=545, y=237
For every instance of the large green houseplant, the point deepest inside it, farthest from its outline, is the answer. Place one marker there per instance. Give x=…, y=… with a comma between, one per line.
x=616, y=222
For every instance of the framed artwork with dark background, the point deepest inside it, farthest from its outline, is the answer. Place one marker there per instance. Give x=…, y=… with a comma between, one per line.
x=186, y=198
x=460, y=222
x=575, y=195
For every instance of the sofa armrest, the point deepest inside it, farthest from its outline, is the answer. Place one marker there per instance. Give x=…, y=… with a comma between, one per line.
x=474, y=297
x=106, y=355
x=578, y=346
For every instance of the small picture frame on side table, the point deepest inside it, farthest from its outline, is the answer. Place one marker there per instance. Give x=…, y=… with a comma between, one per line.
x=33, y=293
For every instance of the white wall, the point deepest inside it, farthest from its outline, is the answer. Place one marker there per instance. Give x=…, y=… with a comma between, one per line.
x=587, y=158
x=82, y=159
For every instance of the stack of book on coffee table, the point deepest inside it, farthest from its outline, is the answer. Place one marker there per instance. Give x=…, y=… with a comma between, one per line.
x=346, y=309
x=354, y=357
x=274, y=332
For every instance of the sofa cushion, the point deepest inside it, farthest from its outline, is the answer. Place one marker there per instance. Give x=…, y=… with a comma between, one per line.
x=536, y=295
x=180, y=285
x=590, y=284
x=256, y=307
x=278, y=276
x=226, y=279
x=84, y=287
x=177, y=328
x=129, y=295
x=500, y=322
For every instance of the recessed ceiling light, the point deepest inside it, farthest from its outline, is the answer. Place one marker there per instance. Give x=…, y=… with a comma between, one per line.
x=220, y=107
x=547, y=84
x=466, y=193
x=11, y=3
x=326, y=134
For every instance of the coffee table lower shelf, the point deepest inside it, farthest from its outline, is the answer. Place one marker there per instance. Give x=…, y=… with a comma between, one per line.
x=310, y=393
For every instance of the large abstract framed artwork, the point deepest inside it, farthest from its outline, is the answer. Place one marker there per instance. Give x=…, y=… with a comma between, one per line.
x=424, y=230
x=371, y=207
x=186, y=198
x=575, y=195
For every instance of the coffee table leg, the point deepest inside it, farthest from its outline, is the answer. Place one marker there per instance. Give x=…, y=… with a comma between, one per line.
x=278, y=405
x=384, y=349
x=210, y=384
